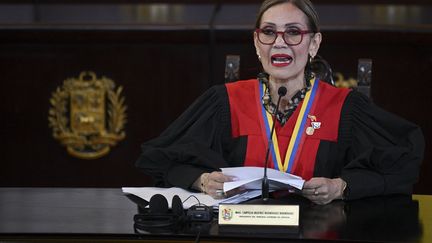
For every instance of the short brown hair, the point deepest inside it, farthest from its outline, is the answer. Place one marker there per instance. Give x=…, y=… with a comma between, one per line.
x=304, y=5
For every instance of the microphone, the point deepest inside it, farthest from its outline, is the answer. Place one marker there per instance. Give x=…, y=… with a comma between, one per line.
x=265, y=182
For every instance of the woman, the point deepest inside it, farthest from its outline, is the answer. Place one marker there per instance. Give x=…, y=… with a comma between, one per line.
x=343, y=146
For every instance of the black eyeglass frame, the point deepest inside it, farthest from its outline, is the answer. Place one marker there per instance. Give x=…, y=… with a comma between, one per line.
x=302, y=33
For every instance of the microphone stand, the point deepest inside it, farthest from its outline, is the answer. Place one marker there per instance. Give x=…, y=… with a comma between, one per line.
x=265, y=182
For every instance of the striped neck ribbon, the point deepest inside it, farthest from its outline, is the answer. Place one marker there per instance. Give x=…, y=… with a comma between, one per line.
x=297, y=136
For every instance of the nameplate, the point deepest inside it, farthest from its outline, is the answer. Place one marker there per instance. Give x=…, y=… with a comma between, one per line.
x=251, y=214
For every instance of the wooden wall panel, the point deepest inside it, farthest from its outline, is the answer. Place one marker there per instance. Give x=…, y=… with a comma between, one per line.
x=157, y=83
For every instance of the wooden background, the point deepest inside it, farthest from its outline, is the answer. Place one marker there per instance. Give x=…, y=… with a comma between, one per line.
x=163, y=68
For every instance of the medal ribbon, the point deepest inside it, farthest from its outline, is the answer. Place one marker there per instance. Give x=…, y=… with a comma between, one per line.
x=295, y=142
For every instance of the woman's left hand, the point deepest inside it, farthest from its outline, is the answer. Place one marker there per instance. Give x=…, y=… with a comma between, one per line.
x=322, y=190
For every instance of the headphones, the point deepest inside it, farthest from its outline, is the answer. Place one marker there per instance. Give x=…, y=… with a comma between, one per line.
x=158, y=215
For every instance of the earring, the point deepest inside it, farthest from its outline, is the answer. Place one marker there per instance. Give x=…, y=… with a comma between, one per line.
x=259, y=57
x=311, y=58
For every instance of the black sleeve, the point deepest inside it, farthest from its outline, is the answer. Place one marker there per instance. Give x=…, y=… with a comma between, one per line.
x=192, y=144
x=383, y=151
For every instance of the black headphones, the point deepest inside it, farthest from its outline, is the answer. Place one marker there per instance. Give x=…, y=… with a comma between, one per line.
x=158, y=215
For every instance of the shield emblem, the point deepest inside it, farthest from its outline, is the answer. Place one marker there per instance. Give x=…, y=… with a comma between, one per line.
x=87, y=112
x=88, y=115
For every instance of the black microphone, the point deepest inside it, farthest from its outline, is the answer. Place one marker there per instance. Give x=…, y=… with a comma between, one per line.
x=265, y=182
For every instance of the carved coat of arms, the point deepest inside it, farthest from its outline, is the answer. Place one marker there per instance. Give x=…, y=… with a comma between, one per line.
x=88, y=115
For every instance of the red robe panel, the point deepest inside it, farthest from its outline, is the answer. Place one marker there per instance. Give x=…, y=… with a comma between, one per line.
x=247, y=120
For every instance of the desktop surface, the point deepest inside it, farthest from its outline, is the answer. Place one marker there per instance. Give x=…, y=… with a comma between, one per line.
x=102, y=214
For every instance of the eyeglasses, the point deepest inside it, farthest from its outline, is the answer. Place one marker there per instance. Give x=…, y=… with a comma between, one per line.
x=292, y=37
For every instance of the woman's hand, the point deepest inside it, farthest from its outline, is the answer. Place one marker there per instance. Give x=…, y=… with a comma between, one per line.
x=212, y=184
x=322, y=190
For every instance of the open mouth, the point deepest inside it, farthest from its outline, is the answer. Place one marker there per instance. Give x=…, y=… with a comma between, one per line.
x=281, y=60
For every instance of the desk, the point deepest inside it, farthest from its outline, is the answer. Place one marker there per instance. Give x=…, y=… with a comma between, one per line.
x=72, y=214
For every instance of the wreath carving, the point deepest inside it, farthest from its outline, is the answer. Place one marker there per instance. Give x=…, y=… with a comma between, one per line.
x=88, y=115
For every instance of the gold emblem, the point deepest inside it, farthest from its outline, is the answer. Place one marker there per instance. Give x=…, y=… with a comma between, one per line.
x=310, y=131
x=88, y=115
x=314, y=125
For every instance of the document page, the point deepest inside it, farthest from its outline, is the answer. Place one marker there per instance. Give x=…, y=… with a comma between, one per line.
x=251, y=178
x=188, y=198
x=248, y=177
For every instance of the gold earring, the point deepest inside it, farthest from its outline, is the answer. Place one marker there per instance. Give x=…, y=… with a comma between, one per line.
x=311, y=58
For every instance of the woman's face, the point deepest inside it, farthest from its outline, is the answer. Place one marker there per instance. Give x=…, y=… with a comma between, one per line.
x=279, y=60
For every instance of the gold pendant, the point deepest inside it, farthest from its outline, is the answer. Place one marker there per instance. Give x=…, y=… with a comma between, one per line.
x=310, y=131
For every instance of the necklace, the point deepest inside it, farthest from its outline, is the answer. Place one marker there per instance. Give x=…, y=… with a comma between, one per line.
x=281, y=116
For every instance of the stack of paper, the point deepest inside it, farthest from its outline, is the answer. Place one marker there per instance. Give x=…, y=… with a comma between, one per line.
x=251, y=178
x=248, y=178
x=188, y=198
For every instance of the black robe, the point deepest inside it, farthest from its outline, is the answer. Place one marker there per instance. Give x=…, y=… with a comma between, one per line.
x=377, y=153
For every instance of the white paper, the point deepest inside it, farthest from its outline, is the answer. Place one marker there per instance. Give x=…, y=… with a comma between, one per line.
x=242, y=197
x=251, y=178
x=147, y=192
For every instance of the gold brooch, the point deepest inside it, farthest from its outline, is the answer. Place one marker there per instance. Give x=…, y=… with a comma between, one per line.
x=87, y=115
x=314, y=125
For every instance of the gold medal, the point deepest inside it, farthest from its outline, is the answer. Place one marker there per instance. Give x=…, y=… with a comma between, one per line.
x=310, y=131
x=314, y=125
x=312, y=117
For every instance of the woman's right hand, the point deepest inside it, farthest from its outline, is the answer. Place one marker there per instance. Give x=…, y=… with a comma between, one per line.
x=212, y=184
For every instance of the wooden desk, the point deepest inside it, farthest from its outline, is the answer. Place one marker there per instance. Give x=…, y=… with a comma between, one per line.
x=74, y=214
